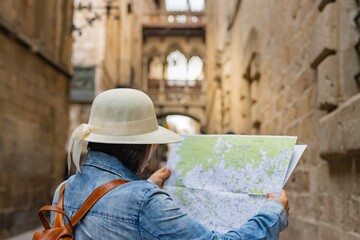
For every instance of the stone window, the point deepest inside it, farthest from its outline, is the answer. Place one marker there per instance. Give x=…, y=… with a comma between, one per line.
x=176, y=71
x=195, y=69
x=197, y=5
x=180, y=72
x=195, y=72
x=184, y=5
x=83, y=84
x=155, y=68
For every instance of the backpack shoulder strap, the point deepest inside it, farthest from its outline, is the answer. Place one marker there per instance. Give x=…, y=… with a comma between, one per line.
x=51, y=208
x=58, y=218
x=94, y=197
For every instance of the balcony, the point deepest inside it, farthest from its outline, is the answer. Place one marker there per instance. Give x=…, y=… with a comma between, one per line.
x=177, y=93
x=163, y=23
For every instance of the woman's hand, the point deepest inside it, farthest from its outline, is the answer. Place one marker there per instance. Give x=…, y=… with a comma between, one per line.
x=160, y=176
x=282, y=198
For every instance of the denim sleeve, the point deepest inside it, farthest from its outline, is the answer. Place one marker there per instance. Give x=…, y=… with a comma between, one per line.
x=265, y=225
x=160, y=218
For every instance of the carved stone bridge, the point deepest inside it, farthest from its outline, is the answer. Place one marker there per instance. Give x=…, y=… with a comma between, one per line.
x=179, y=97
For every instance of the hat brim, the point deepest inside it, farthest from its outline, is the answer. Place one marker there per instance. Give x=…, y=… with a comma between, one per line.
x=160, y=136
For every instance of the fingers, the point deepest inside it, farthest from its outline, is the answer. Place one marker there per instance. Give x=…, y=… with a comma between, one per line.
x=160, y=176
x=164, y=172
x=270, y=196
x=287, y=208
x=282, y=198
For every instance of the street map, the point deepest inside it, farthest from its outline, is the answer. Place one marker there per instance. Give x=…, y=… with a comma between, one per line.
x=222, y=180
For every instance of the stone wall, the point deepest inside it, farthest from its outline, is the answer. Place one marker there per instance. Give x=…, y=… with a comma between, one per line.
x=35, y=50
x=288, y=68
x=88, y=50
x=109, y=44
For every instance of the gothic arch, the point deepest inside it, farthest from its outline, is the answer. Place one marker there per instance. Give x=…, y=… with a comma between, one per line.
x=155, y=68
x=173, y=47
x=153, y=52
x=162, y=115
x=197, y=52
x=153, y=71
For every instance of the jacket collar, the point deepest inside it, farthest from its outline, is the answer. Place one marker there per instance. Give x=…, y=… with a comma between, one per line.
x=109, y=163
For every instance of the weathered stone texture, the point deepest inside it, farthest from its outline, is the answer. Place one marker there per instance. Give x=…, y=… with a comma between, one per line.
x=327, y=77
x=307, y=64
x=324, y=37
x=33, y=108
x=339, y=131
x=33, y=118
x=348, y=37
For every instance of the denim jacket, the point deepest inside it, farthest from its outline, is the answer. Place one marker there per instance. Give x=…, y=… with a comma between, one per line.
x=141, y=210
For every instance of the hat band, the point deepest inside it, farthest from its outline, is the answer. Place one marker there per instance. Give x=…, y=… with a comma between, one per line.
x=106, y=128
x=142, y=126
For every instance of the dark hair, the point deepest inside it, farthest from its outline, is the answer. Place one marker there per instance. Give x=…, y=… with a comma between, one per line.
x=131, y=155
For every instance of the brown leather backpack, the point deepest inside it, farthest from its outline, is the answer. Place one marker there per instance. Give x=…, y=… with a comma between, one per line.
x=63, y=231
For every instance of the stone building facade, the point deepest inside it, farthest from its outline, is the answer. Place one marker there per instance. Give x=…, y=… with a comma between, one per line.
x=270, y=67
x=35, y=72
x=292, y=68
x=121, y=44
x=106, y=39
x=183, y=39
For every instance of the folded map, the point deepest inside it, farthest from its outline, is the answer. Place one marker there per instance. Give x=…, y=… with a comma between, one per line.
x=222, y=180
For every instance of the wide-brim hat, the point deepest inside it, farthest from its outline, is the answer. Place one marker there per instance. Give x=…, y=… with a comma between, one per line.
x=120, y=116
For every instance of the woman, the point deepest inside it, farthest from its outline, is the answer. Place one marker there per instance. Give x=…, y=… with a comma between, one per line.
x=122, y=132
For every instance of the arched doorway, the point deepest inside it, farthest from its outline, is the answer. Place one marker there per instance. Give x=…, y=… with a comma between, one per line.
x=183, y=124
x=180, y=124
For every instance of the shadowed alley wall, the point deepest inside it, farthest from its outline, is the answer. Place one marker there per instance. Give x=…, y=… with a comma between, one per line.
x=288, y=68
x=35, y=51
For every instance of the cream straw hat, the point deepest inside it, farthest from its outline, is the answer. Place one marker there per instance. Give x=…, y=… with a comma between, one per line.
x=124, y=116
